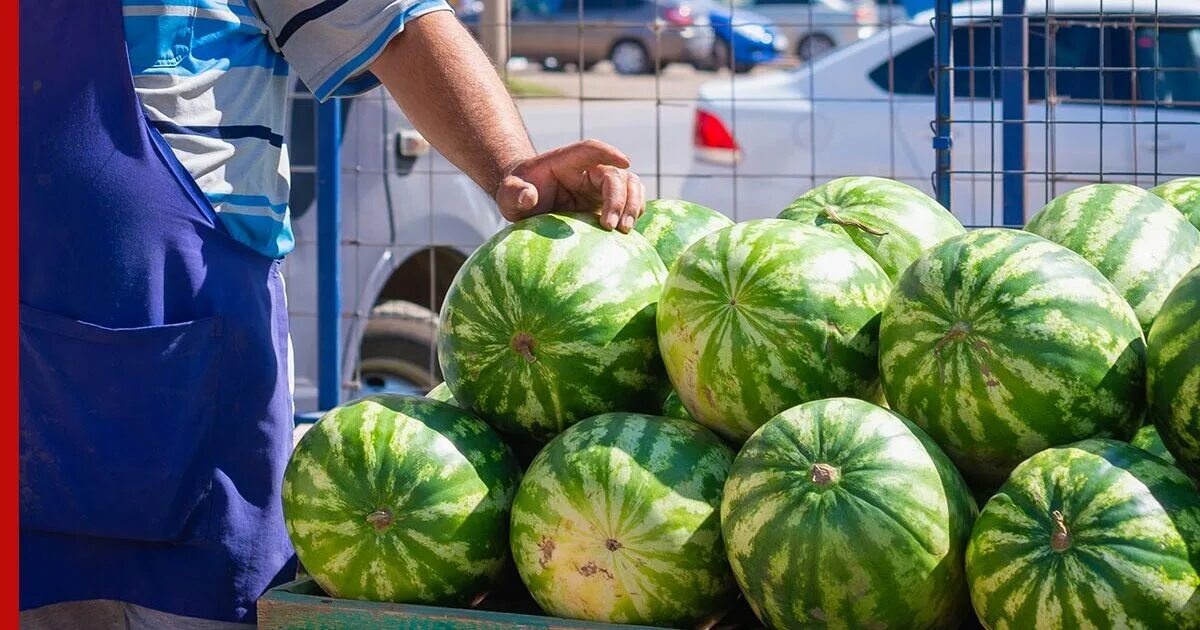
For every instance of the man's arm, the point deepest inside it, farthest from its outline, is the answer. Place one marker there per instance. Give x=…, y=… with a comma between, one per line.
x=446, y=86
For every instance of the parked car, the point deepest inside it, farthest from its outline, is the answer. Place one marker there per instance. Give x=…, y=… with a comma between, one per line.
x=744, y=39
x=638, y=36
x=866, y=110
x=815, y=27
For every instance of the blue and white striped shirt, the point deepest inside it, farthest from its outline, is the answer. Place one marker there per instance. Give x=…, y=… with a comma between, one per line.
x=212, y=76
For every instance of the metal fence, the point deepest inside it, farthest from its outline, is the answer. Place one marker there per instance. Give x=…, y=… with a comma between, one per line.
x=993, y=107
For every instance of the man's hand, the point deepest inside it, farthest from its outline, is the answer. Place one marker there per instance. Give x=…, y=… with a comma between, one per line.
x=588, y=176
x=446, y=85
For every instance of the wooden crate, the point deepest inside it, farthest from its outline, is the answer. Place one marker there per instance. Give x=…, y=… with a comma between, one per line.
x=301, y=605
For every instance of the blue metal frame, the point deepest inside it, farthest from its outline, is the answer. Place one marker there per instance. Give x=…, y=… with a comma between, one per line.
x=329, y=237
x=1014, y=92
x=942, y=142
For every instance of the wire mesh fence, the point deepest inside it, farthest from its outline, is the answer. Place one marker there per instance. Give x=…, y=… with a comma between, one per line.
x=742, y=106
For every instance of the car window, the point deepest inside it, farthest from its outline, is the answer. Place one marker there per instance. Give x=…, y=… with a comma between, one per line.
x=544, y=7
x=1139, y=64
x=974, y=56
x=608, y=5
x=1168, y=75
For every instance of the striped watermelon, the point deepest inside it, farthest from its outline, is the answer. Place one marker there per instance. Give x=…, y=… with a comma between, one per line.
x=672, y=407
x=1148, y=439
x=1184, y=194
x=1137, y=240
x=842, y=514
x=891, y=221
x=1097, y=534
x=616, y=521
x=400, y=498
x=672, y=225
x=552, y=321
x=442, y=393
x=1173, y=367
x=1000, y=343
x=764, y=315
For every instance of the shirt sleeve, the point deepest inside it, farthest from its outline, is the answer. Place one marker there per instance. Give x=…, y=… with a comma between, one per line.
x=331, y=43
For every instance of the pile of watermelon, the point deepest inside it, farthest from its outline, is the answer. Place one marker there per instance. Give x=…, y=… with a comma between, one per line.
x=856, y=415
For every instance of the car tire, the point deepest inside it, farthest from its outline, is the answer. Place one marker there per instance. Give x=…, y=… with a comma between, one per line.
x=399, y=349
x=630, y=56
x=814, y=46
x=721, y=59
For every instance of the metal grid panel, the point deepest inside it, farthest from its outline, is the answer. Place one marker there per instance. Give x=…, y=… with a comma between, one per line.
x=866, y=108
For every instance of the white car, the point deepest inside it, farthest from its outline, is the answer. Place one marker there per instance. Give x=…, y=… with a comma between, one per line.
x=867, y=109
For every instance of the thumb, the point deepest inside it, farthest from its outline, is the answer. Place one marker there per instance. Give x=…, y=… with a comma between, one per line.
x=516, y=197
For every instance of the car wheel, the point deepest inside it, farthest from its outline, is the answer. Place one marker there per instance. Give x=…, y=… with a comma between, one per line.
x=398, y=350
x=721, y=58
x=630, y=57
x=814, y=46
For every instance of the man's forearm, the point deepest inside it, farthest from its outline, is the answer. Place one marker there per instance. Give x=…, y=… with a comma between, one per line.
x=446, y=86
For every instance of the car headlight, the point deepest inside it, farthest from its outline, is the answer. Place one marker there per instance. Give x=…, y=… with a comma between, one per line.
x=781, y=43
x=755, y=32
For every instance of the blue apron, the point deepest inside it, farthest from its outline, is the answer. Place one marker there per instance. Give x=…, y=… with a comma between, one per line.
x=155, y=416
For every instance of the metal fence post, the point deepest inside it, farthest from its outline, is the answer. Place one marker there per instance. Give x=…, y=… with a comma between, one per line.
x=943, y=23
x=493, y=31
x=1014, y=91
x=329, y=272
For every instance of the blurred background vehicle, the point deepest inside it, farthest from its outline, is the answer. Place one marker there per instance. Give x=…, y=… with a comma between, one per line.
x=866, y=110
x=637, y=36
x=744, y=39
x=815, y=27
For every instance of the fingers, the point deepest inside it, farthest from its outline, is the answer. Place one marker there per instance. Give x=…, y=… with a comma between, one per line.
x=587, y=154
x=635, y=201
x=516, y=197
x=613, y=194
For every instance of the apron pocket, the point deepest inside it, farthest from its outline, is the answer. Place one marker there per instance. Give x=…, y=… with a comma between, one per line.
x=114, y=427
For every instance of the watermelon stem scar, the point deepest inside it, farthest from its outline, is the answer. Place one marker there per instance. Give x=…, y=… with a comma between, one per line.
x=612, y=544
x=523, y=344
x=1060, y=540
x=380, y=519
x=832, y=213
x=823, y=474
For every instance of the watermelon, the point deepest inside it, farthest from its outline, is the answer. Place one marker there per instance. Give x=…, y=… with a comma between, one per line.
x=442, y=393
x=842, y=514
x=1000, y=343
x=672, y=225
x=891, y=221
x=672, y=407
x=552, y=321
x=616, y=521
x=1184, y=194
x=402, y=499
x=1148, y=439
x=1138, y=241
x=767, y=314
x=1096, y=534
x=1173, y=367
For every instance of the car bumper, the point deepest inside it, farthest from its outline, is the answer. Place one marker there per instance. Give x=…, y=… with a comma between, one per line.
x=691, y=44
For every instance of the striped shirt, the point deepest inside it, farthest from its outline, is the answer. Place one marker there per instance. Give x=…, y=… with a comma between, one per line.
x=212, y=77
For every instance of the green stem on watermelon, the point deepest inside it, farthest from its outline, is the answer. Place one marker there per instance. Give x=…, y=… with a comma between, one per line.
x=523, y=344
x=380, y=519
x=823, y=474
x=833, y=215
x=1060, y=540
